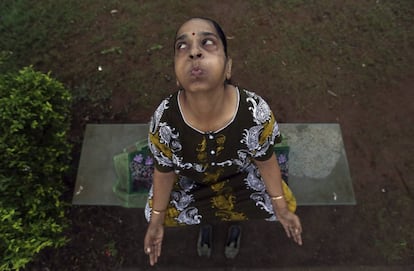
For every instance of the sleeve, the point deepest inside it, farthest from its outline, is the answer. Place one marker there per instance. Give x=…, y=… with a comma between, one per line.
x=269, y=136
x=264, y=132
x=159, y=139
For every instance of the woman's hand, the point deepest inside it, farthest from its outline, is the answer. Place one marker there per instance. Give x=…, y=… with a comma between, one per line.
x=291, y=224
x=153, y=241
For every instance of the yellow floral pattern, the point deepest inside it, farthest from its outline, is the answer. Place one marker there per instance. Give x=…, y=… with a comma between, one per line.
x=212, y=177
x=220, y=140
x=231, y=216
x=223, y=202
x=155, y=139
x=218, y=186
x=201, y=150
x=267, y=129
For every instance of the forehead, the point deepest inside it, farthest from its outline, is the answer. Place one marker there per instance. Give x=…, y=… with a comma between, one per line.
x=196, y=25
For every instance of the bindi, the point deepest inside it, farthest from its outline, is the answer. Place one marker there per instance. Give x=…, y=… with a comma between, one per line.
x=193, y=33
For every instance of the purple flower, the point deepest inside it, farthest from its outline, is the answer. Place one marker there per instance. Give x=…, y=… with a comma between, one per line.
x=149, y=161
x=282, y=159
x=138, y=158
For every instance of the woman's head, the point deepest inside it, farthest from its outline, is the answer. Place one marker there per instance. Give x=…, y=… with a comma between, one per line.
x=200, y=55
x=218, y=29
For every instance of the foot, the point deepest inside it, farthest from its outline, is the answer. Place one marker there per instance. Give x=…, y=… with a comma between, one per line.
x=233, y=242
x=205, y=240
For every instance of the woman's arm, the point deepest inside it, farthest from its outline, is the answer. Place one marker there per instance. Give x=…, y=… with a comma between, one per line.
x=162, y=186
x=270, y=172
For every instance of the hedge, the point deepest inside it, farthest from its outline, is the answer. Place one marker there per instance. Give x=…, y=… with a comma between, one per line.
x=34, y=157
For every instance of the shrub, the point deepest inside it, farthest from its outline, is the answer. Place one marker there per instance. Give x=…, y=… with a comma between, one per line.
x=34, y=156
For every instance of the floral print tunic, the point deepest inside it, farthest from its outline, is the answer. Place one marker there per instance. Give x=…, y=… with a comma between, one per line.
x=216, y=177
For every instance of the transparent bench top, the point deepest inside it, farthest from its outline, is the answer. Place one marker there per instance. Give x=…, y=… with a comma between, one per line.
x=318, y=166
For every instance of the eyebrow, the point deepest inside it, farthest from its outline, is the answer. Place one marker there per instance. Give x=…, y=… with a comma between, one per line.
x=203, y=33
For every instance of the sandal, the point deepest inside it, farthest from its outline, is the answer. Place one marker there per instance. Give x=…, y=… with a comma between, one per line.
x=233, y=242
x=205, y=241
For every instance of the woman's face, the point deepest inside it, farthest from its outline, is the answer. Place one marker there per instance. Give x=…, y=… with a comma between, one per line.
x=200, y=63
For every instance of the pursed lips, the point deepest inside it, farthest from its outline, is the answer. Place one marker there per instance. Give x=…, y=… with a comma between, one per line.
x=196, y=71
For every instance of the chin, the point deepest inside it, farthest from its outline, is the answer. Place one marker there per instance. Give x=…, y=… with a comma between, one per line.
x=197, y=87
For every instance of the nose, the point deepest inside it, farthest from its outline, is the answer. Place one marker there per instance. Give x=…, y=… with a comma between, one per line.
x=195, y=52
x=198, y=55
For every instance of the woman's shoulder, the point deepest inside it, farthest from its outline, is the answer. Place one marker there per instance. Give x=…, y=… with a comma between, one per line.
x=170, y=98
x=254, y=105
x=168, y=102
x=165, y=110
x=247, y=94
x=250, y=98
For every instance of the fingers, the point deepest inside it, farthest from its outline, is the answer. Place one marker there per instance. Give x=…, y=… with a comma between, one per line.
x=158, y=252
x=297, y=235
x=287, y=230
x=293, y=230
x=153, y=251
x=153, y=242
x=297, y=232
x=153, y=257
x=298, y=239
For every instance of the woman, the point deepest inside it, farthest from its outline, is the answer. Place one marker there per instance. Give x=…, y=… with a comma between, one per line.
x=213, y=148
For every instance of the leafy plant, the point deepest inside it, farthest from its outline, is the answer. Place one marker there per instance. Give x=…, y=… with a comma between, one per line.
x=34, y=156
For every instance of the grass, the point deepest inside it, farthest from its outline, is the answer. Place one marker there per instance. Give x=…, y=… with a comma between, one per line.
x=30, y=31
x=316, y=46
x=296, y=48
x=393, y=238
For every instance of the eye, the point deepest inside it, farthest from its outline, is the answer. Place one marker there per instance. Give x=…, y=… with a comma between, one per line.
x=181, y=46
x=208, y=42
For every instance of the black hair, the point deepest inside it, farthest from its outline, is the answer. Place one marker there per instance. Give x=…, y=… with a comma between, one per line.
x=220, y=32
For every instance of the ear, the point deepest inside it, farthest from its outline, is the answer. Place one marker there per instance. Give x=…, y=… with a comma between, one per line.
x=228, y=68
x=178, y=83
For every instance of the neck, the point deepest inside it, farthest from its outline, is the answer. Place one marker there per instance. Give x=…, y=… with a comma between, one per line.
x=210, y=110
x=204, y=104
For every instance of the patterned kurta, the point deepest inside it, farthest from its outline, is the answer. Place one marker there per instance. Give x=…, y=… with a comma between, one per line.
x=216, y=177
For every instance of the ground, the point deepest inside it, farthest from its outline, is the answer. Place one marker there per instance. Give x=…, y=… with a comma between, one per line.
x=330, y=61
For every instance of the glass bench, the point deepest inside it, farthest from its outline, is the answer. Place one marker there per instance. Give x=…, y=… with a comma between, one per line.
x=318, y=166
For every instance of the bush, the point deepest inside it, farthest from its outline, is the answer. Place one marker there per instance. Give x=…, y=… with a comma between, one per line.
x=34, y=156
